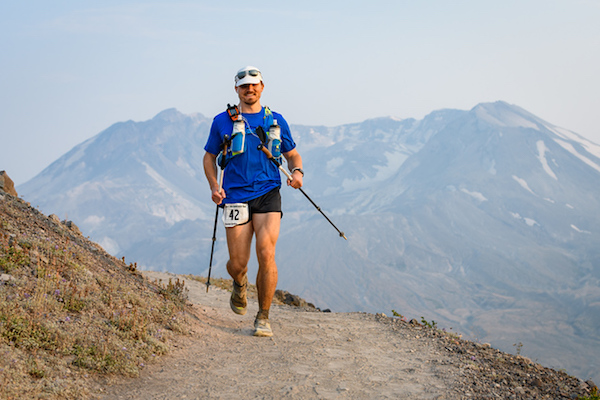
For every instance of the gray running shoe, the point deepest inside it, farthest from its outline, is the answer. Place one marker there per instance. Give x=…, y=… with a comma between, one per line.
x=238, y=300
x=262, y=328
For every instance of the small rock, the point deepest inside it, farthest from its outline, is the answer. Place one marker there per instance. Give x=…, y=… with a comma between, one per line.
x=519, y=390
x=54, y=218
x=591, y=384
x=7, y=185
x=71, y=225
x=6, y=278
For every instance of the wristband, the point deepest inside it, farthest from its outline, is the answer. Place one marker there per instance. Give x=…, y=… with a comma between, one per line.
x=299, y=170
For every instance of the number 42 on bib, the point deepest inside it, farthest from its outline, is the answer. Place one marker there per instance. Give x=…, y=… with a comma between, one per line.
x=235, y=214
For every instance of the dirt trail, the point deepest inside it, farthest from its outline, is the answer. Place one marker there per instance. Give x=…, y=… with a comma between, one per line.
x=313, y=355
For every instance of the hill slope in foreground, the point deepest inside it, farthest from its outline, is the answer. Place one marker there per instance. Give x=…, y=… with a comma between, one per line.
x=76, y=322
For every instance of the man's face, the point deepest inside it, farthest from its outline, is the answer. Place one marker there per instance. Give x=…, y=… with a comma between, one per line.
x=250, y=94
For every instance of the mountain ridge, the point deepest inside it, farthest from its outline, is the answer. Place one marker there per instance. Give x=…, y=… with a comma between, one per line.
x=466, y=216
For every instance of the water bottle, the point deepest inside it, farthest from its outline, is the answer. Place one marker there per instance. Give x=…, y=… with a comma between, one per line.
x=238, y=137
x=274, y=144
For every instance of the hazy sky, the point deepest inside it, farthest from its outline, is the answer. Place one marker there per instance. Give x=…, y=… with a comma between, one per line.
x=70, y=69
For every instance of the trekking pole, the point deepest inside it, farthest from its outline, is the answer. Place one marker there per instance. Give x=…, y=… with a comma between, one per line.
x=270, y=157
x=214, y=237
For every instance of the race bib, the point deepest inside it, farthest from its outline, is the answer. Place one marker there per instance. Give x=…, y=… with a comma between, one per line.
x=235, y=214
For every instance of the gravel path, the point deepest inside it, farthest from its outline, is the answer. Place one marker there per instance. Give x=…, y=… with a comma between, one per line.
x=317, y=355
x=312, y=355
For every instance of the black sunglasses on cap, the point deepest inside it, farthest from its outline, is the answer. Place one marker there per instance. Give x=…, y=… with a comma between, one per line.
x=251, y=72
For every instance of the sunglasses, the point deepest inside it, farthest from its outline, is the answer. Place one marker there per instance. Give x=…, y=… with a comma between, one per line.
x=252, y=72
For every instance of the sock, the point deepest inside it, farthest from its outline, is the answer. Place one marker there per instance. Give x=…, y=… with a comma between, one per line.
x=263, y=314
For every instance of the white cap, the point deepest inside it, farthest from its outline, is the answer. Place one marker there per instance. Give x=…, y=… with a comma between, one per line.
x=248, y=75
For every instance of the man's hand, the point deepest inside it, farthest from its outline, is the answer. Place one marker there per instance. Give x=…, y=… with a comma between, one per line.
x=296, y=181
x=294, y=160
x=218, y=196
x=210, y=170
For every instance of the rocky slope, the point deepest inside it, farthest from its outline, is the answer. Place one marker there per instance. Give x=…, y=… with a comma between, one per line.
x=70, y=313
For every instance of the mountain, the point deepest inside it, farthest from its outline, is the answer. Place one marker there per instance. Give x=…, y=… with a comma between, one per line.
x=484, y=221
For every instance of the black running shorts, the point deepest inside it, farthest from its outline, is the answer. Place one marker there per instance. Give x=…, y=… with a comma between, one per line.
x=268, y=202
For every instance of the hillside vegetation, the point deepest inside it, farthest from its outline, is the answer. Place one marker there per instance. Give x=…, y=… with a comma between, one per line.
x=70, y=314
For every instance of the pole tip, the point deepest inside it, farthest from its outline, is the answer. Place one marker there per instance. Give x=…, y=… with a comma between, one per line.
x=342, y=235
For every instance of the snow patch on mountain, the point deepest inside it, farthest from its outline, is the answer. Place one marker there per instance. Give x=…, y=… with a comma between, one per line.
x=569, y=147
x=589, y=146
x=394, y=161
x=523, y=184
x=492, y=168
x=175, y=210
x=181, y=163
x=475, y=195
x=542, y=149
x=333, y=164
x=89, y=190
x=383, y=172
x=579, y=230
x=78, y=153
x=528, y=221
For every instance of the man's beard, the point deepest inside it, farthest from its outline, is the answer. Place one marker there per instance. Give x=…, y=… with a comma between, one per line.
x=252, y=101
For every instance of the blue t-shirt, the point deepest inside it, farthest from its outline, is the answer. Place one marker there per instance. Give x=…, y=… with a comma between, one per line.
x=250, y=174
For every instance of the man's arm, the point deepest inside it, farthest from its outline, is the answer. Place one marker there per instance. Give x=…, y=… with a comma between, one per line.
x=210, y=170
x=294, y=160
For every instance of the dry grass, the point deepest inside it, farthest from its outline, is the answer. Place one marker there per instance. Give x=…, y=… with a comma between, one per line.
x=70, y=313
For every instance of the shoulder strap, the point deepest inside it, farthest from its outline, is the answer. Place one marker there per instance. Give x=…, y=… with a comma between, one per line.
x=268, y=118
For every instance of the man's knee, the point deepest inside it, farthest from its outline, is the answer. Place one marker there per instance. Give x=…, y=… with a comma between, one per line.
x=265, y=254
x=237, y=265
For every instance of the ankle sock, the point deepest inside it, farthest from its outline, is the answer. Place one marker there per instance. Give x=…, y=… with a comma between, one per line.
x=262, y=314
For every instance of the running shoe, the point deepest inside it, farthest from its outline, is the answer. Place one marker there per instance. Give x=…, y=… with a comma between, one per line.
x=262, y=328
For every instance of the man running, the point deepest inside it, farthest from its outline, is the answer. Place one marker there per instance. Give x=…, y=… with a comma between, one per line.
x=250, y=193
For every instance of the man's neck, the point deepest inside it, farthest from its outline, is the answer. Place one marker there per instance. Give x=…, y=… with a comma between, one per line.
x=250, y=108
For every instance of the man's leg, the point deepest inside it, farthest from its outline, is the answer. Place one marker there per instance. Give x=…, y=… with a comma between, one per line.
x=266, y=227
x=239, y=240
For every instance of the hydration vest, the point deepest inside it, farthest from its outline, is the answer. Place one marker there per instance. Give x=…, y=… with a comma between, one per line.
x=269, y=136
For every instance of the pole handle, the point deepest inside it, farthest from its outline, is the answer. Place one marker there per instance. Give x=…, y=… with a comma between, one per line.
x=222, y=169
x=270, y=157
